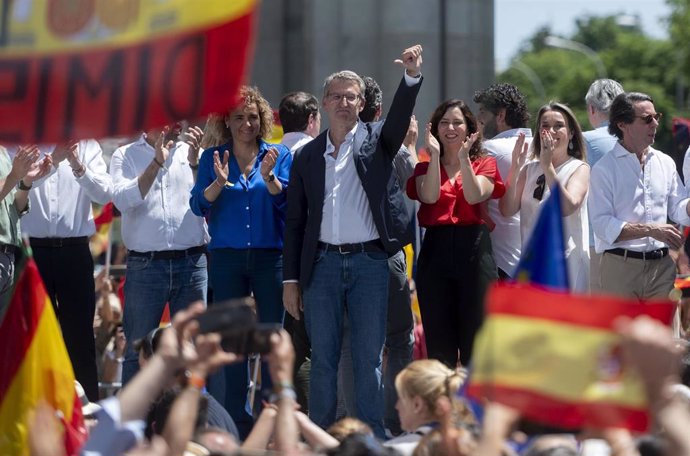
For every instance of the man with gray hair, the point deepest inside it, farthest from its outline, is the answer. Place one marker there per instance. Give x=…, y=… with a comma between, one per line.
x=345, y=217
x=598, y=141
x=599, y=98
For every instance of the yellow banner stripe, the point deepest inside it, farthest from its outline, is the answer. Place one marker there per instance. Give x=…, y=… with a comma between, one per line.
x=568, y=362
x=43, y=26
x=45, y=373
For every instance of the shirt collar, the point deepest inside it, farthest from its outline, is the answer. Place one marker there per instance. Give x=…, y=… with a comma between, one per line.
x=621, y=151
x=513, y=133
x=142, y=141
x=348, y=139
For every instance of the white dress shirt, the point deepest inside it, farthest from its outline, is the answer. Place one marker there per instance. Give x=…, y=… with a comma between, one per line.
x=347, y=215
x=61, y=202
x=163, y=219
x=294, y=140
x=622, y=192
x=505, y=237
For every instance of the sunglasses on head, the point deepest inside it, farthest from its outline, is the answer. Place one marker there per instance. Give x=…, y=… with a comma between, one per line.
x=649, y=117
x=539, y=190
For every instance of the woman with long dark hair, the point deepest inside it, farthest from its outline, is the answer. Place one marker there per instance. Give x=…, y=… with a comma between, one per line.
x=455, y=263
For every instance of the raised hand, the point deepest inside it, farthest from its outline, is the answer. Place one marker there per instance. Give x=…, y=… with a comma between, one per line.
x=162, y=146
x=62, y=151
x=221, y=168
x=411, y=59
x=193, y=137
x=431, y=143
x=269, y=162
x=547, y=148
x=24, y=159
x=520, y=152
x=38, y=170
x=464, y=152
x=412, y=133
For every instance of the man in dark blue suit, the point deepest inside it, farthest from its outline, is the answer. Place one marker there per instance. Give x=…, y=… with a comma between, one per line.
x=345, y=217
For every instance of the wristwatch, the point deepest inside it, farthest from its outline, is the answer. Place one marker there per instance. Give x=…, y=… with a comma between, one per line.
x=22, y=186
x=271, y=177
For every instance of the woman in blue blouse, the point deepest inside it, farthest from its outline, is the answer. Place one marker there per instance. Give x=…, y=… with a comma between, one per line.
x=241, y=190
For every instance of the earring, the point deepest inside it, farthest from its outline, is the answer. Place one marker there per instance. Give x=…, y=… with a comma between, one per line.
x=570, y=145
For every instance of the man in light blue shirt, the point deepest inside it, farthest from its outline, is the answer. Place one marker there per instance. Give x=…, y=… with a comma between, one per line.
x=598, y=142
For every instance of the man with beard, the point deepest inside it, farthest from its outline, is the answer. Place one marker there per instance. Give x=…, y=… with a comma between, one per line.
x=502, y=117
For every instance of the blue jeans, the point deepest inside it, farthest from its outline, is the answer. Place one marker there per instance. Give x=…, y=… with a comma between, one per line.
x=235, y=273
x=399, y=345
x=355, y=283
x=149, y=284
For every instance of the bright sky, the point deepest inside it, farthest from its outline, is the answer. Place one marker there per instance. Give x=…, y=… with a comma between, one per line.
x=517, y=20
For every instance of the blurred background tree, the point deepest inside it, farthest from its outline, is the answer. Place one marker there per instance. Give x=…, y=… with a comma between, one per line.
x=617, y=46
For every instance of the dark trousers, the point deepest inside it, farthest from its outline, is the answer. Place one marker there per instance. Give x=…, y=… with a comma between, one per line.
x=236, y=273
x=454, y=270
x=67, y=273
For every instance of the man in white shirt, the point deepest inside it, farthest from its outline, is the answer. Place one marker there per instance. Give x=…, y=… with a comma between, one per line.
x=166, y=260
x=634, y=189
x=300, y=119
x=502, y=116
x=59, y=226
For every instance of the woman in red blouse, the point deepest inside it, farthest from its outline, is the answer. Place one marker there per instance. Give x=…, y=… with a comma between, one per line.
x=455, y=263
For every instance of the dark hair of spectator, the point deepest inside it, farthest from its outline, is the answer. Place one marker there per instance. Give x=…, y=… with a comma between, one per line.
x=373, y=99
x=294, y=111
x=500, y=96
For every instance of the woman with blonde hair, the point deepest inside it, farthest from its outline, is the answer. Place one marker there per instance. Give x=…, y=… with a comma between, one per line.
x=421, y=386
x=241, y=190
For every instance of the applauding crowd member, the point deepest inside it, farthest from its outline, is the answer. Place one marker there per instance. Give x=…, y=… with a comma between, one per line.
x=559, y=154
x=455, y=264
x=241, y=188
x=166, y=242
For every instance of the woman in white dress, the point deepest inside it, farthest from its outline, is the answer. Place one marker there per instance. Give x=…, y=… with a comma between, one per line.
x=558, y=157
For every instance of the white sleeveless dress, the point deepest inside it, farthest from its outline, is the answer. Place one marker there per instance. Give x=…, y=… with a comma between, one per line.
x=575, y=226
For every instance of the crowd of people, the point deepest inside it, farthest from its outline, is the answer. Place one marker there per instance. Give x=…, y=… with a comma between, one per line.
x=314, y=231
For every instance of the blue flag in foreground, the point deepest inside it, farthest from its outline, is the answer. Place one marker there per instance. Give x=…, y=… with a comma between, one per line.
x=543, y=259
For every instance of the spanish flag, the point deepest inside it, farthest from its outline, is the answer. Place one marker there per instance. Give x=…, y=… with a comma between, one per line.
x=557, y=359
x=103, y=68
x=35, y=366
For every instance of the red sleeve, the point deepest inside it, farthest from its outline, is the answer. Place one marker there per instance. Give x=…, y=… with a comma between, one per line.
x=419, y=170
x=487, y=167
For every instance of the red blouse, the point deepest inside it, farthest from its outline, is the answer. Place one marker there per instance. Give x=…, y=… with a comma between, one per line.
x=451, y=207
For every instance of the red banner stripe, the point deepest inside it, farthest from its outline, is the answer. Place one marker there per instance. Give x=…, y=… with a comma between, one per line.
x=124, y=90
x=568, y=415
x=524, y=300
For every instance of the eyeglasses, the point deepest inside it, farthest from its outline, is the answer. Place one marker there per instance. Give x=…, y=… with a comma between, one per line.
x=338, y=97
x=649, y=117
x=539, y=190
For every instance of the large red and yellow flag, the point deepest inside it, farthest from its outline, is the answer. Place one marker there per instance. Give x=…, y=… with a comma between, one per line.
x=35, y=367
x=95, y=68
x=556, y=358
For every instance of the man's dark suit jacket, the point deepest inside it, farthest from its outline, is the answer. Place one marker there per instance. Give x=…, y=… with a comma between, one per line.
x=375, y=145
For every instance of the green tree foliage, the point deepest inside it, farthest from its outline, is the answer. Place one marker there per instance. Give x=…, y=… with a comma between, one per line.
x=638, y=62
